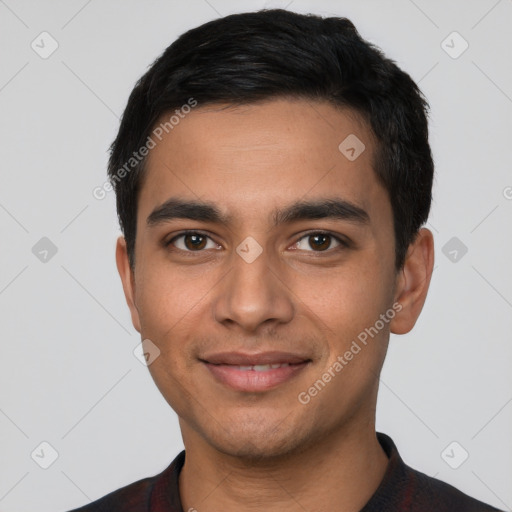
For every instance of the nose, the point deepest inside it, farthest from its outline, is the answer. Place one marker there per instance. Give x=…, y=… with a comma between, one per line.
x=253, y=295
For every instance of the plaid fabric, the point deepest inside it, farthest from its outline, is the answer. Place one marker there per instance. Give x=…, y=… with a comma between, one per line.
x=401, y=489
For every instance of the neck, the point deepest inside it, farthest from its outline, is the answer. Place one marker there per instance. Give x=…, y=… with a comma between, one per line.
x=341, y=472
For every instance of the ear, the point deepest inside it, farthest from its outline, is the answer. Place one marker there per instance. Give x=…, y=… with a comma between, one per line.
x=413, y=281
x=128, y=280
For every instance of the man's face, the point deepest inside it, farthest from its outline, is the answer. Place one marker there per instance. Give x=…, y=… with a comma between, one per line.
x=306, y=286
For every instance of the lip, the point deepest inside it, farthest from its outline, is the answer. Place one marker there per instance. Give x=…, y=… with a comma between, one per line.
x=225, y=368
x=245, y=359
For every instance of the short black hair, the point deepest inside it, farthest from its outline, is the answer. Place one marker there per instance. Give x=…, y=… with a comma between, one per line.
x=273, y=53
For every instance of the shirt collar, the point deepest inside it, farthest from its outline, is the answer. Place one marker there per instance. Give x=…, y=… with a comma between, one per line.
x=166, y=495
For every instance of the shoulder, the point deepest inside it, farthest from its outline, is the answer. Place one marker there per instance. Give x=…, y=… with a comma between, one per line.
x=405, y=488
x=158, y=492
x=132, y=497
x=441, y=496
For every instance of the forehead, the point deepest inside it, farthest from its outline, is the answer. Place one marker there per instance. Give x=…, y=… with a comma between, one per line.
x=249, y=159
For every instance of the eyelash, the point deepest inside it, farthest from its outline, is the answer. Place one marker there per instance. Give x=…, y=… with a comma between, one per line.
x=343, y=243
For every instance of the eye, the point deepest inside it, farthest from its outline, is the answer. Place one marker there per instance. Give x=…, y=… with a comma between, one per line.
x=319, y=241
x=192, y=241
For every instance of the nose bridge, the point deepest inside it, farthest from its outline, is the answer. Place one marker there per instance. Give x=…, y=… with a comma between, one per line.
x=252, y=294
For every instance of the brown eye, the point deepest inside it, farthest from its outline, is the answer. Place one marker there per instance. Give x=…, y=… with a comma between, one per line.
x=319, y=242
x=192, y=242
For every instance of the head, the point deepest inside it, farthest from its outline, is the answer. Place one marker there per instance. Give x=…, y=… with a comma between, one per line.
x=296, y=155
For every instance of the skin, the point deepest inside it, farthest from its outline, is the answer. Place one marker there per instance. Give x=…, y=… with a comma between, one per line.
x=256, y=451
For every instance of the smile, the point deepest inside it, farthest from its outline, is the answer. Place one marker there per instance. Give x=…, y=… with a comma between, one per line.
x=262, y=367
x=254, y=378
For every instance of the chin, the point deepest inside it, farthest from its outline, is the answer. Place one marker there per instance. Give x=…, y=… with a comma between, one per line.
x=258, y=440
x=254, y=448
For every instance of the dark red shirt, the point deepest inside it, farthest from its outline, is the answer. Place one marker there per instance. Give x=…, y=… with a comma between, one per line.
x=401, y=489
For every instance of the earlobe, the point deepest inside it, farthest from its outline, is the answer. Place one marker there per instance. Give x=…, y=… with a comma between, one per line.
x=413, y=282
x=127, y=279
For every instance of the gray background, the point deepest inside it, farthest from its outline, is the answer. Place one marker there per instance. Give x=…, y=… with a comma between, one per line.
x=68, y=375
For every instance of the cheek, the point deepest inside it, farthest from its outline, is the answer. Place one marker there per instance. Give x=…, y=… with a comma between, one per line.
x=347, y=299
x=169, y=301
x=169, y=306
x=348, y=309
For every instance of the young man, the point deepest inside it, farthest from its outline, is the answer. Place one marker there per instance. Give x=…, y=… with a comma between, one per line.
x=273, y=173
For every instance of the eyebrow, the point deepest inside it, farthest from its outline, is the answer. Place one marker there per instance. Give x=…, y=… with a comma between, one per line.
x=329, y=208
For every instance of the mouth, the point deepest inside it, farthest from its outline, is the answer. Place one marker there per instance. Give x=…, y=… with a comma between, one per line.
x=254, y=372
